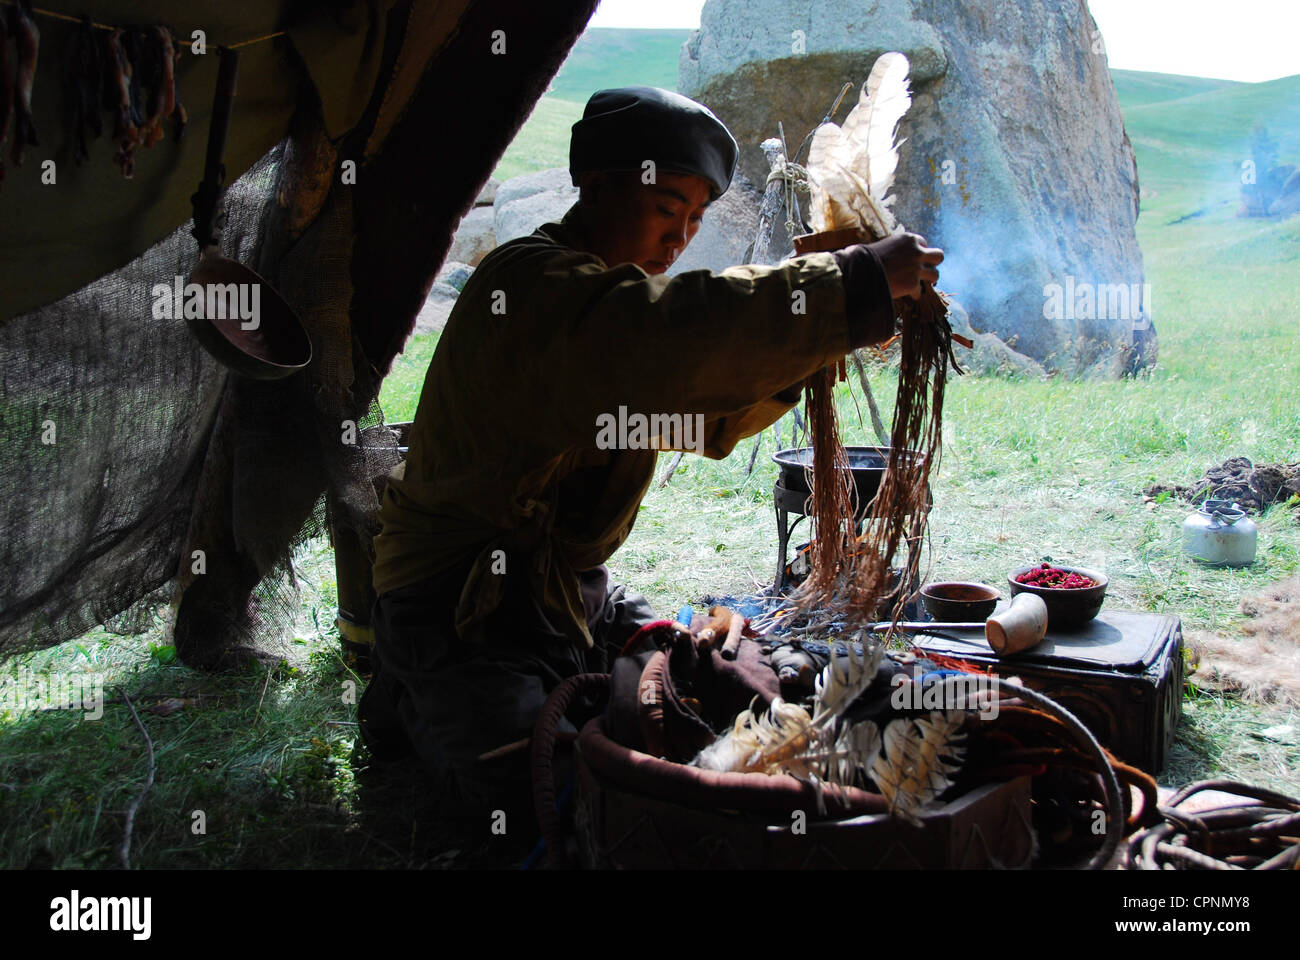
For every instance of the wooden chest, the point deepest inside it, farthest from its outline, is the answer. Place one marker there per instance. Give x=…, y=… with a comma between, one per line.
x=1121, y=675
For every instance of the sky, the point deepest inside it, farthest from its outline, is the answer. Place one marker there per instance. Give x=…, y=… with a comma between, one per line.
x=1250, y=40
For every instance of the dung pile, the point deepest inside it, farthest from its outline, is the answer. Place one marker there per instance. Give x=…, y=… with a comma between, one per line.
x=1252, y=487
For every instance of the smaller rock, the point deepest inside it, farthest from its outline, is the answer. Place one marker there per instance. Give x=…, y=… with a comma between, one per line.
x=990, y=356
x=475, y=237
x=488, y=195
x=555, y=180
x=437, y=308
x=523, y=207
x=454, y=274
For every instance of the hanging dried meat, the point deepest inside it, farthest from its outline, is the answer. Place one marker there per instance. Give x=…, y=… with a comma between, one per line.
x=179, y=117
x=28, y=39
x=162, y=97
x=851, y=169
x=142, y=90
x=84, y=87
x=6, y=89
x=118, y=97
x=147, y=56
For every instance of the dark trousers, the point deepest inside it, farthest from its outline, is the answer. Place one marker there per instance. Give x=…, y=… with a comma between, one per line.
x=435, y=696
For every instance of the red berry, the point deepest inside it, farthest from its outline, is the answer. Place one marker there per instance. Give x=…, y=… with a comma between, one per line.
x=1046, y=576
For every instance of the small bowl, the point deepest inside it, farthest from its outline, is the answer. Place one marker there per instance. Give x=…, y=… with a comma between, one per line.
x=1066, y=608
x=959, y=602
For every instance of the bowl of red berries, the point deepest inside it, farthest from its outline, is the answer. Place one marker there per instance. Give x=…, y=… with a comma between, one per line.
x=1073, y=594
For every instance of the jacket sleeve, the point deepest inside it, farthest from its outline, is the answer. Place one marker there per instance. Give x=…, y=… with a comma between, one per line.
x=717, y=345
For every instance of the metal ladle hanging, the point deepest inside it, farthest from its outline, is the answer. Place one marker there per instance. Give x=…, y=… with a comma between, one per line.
x=270, y=342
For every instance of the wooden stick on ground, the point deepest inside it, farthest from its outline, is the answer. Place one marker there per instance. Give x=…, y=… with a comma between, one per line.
x=124, y=852
x=753, y=454
x=564, y=736
x=731, y=647
x=799, y=426
x=672, y=468
x=876, y=423
x=265, y=683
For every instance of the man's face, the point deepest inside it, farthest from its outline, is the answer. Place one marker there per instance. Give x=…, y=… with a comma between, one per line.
x=648, y=224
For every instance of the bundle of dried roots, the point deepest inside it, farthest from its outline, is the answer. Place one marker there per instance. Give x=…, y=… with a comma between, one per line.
x=851, y=169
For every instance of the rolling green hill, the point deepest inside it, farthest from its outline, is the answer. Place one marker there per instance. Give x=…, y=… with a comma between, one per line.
x=1190, y=150
x=607, y=57
x=1203, y=138
x=1137, y=88
x=543, y=141
x=602, y=57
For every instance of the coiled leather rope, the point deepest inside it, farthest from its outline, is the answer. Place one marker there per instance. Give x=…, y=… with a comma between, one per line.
x=543, y=755
x=1248, y=836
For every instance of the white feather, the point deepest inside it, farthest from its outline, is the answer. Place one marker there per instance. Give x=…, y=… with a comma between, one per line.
x=913, y=770
x=888, y=96
x=851, y=168
x=836, y=689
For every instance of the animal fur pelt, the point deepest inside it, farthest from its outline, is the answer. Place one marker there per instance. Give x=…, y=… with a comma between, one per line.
x=1263, y=665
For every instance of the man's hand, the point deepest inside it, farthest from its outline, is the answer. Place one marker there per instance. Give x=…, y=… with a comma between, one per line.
x=907, y=262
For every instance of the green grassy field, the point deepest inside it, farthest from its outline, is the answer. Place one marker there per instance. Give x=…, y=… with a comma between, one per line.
x=1030, y=470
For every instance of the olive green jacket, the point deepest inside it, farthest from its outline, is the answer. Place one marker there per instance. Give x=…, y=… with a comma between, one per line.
x=505, y=474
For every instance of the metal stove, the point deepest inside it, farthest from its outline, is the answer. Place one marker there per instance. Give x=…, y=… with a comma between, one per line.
x=792, y=491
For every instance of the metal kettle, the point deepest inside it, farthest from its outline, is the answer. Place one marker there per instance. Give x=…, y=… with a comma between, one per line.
x=1220, y=534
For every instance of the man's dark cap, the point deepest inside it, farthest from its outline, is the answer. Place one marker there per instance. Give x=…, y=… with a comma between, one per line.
x=623, y=127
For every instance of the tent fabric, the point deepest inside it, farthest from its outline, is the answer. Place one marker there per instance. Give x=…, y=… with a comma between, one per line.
x=160, y=455
x=106, y=413
x=91, y=220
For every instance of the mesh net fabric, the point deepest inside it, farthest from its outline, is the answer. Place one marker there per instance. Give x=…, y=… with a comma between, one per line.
x=94, y=517
x=98, y=520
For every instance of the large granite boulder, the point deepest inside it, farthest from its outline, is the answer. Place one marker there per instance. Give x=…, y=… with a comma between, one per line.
x=726, y=231
x=1016, y=160
x=526, y=202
